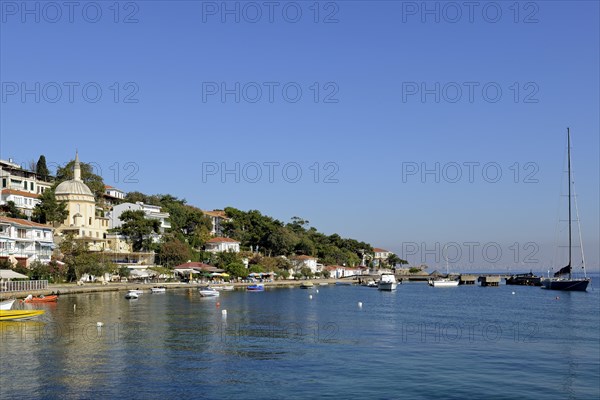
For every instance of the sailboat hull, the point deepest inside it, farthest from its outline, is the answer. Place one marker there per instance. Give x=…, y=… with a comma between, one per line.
x=571, y=285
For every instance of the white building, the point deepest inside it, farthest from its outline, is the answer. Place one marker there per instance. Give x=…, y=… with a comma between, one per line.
x=112, y=195
x=23, y=242
x=222, y=244
x=217, y=218
x=380, y=256
x=151, y=212
x=299, y=262
x=20, y=186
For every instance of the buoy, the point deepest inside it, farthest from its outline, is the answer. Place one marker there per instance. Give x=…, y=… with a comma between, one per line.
x=99, y=324
x=360, y=303
x=513, y=292
x=223, y=312
x=317, y=290
x=74, y=307
x=557, y=298
x=310, y=297
x=218, y=304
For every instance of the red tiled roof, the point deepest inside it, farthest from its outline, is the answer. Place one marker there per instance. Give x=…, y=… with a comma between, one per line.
x=193, y=265
x=333, y=267
x=24, y=222
x=222, y=240
x=378, y=250
x=21, y=193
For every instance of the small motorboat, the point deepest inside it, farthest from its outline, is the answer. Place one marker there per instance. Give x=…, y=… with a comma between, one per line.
x=387, y=282
x=137, y=291
x=208, y=292
x=306, y=285
x=6, y=304
x=159, y=289
x=40, y=299
x=19, y=315
x=443, y=282
x=131, y=295
x=255, y=288
x=223, y=288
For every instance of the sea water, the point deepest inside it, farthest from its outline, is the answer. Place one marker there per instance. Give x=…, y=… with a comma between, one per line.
x=501, y=342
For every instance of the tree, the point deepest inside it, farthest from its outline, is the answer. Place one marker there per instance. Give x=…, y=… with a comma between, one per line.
x=393, y=259
x=11, y=210
x=41, y=169
x=138, y=228
x=236, y=269
x=173, y=252
x=49, y=210
x=93, y=181
x=40, y=271
x=79, y=260
x=307, y=272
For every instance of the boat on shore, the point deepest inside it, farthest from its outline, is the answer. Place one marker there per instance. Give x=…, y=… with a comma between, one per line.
x=387, y=282
x=132, y=295
x=19, y=315
x=255, y=288
x=563, y=279
x=7, y=304
x=208, y=292
x=158, y=289
x=40, y=299
x=306, y=285
x=528, y=279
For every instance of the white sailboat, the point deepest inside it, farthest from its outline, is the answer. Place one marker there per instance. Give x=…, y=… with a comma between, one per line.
x=444, y=282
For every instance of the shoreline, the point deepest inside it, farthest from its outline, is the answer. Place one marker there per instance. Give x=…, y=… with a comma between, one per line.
x=73, y=289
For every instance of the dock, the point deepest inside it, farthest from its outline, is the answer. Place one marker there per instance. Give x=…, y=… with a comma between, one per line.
x=489, y=280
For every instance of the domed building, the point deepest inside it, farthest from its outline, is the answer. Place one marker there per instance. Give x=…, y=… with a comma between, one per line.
x=82, y=221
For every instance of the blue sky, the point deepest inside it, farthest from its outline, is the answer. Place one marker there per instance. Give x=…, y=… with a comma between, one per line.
x=388, y=89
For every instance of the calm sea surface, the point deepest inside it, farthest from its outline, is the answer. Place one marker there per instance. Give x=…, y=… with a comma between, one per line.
x=416, y=342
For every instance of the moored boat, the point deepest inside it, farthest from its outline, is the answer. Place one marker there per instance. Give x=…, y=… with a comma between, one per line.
x=131, y=295
x=387, y=282
x=443, y=282
x=40, y=299
x=6, y=304
x=255, y=288
x=528, y=279
x=224, y=288
x=16, y=315
x=306, y=285
x=208, y=292
x=159, y=289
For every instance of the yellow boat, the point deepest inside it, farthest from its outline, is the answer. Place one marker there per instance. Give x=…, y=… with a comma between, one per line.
x=14, y=315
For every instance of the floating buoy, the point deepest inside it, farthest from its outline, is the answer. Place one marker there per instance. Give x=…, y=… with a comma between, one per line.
x=317, y=290
x=224, y=313
x=310, y=297
x=360, y=304
x=513, y=292
x=557, y=298
x=218, y=304
x=99, y=324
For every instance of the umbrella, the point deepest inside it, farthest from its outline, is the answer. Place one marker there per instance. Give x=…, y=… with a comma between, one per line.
x=10, y=274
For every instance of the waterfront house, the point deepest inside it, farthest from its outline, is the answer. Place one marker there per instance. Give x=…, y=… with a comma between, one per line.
x=23, y=242
x=222, y=244
x=217, y=218
x=21, y=186
x=380, y=256
x=299, y=262
x=150, y=211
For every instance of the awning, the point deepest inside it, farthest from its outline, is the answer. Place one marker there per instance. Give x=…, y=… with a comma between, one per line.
x=10, y=274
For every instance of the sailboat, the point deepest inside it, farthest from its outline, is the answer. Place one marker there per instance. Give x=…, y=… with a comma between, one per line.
x=444, y=282
x=563, y=279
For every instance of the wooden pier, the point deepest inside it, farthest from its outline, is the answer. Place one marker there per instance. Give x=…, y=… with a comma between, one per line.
x=489, y=280
x=467, y=279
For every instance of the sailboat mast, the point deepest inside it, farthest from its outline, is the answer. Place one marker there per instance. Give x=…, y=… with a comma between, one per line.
x=569, y=173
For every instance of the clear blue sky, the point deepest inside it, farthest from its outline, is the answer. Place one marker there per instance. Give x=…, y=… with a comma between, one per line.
x=373, y=59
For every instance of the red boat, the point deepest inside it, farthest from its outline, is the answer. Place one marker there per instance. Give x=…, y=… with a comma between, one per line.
x=40, y=299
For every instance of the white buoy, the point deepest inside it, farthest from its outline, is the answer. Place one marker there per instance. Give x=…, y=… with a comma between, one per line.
x=74, y=307
x=360, y=304
x=310, y=297
x=224, y=313
x=317, y=290
x=99, y=324
x=513, y=292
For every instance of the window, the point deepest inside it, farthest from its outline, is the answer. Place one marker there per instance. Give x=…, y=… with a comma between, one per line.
x=38, y=234
x=31, y=186
x=21, y=233
x=3, y=182
x=25, y=185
